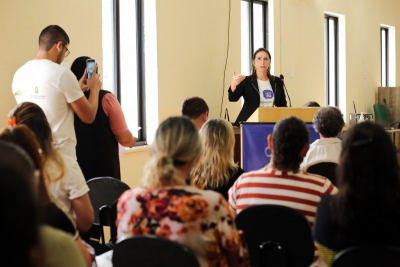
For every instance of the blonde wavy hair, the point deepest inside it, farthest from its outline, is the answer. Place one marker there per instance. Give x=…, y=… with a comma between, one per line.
x=176, y=144
x=216, y=164
x=33, y=117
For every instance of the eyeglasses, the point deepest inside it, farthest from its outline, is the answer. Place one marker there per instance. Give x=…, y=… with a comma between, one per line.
x=66, y=53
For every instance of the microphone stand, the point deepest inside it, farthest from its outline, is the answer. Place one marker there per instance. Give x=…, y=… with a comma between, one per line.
x=226, y=115
x=284, y=86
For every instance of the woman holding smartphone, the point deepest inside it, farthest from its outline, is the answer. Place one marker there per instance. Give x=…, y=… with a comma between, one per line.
x=97, y=148
x=260, y=89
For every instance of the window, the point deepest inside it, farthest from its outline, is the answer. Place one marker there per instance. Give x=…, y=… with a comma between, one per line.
x=384, y=57
x=331, y=60
x=254, y=32
x=335, y=60
x=123, y=59
x=388, y=55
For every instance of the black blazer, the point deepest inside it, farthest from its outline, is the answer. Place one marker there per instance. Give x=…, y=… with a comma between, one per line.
x=248, y=88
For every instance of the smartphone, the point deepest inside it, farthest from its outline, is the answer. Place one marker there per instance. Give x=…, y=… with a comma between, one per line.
x=90, y=64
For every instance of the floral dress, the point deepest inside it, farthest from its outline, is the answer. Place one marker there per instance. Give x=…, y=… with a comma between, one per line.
x=195, y=218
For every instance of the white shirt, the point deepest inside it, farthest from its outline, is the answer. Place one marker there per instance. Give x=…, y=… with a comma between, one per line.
x=323, y=150
x=266, y=94
x=52, y=87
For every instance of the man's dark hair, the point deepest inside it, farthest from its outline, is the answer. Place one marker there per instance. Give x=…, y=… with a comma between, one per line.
x=51, y=35
x=328, y=121
x=193, y=107
x=289, y=137
x=311, y=104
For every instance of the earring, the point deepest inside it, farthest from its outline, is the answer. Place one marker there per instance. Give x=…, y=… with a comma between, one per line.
x=268, y=154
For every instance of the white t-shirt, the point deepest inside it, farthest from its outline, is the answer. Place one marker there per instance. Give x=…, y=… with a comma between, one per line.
x=266, y=94
x=323, y=150
x=52, y=87
x=72, y=185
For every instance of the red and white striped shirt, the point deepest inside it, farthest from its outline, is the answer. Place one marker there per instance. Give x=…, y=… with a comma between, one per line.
x=301, y=191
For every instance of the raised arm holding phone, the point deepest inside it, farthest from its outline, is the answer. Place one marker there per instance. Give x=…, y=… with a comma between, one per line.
x=260, y=89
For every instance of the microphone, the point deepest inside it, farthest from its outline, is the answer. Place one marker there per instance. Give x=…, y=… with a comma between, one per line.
x=284, y=86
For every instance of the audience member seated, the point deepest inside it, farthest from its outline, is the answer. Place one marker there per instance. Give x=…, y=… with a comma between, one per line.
x=50, y=214
x=19, y=223
x=216, y=169
x=28, y=243
x=328, y=122
x=67, y=185
x=366, y=210
x=196, y=109
x=165, y=206
x=311, y=104
x=97, y=148
x=22, y=136
x=282, y=182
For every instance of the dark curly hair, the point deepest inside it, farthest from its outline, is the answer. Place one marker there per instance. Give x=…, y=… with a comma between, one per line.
x=328, y=121
x=289, y=137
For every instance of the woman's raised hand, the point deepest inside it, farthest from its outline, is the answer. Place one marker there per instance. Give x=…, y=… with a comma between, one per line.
x=236, y=79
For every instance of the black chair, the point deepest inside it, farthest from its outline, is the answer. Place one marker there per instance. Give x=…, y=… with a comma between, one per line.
x=152, y=251
x=327, y=169
x=107, y=217
x=368, y=256
x=104, y=191
x=276, y=236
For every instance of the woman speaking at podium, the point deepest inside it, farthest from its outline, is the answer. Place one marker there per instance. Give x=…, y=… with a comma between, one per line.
x=260, y=89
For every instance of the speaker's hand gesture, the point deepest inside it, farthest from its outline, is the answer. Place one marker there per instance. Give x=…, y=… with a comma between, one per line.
x=236, y=79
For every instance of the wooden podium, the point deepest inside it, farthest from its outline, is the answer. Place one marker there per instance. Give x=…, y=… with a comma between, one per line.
x=275, y=114
x=271, y=115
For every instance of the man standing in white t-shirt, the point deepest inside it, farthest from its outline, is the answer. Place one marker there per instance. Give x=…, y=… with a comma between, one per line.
x=55, y=89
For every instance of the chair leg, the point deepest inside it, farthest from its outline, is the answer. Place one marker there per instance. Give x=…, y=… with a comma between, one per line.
x=92, y=235
x=103, y=239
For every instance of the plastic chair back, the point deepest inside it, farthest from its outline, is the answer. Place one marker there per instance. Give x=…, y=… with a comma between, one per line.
x=152, y=251
x=326, y=169
x=381, y=115
x=104, y=191
x=368, y=256
x=276, y=236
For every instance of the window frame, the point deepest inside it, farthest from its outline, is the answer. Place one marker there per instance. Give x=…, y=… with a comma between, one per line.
x=265, y=24
x=384, y=56
x=328, y=49
x=141, y=90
